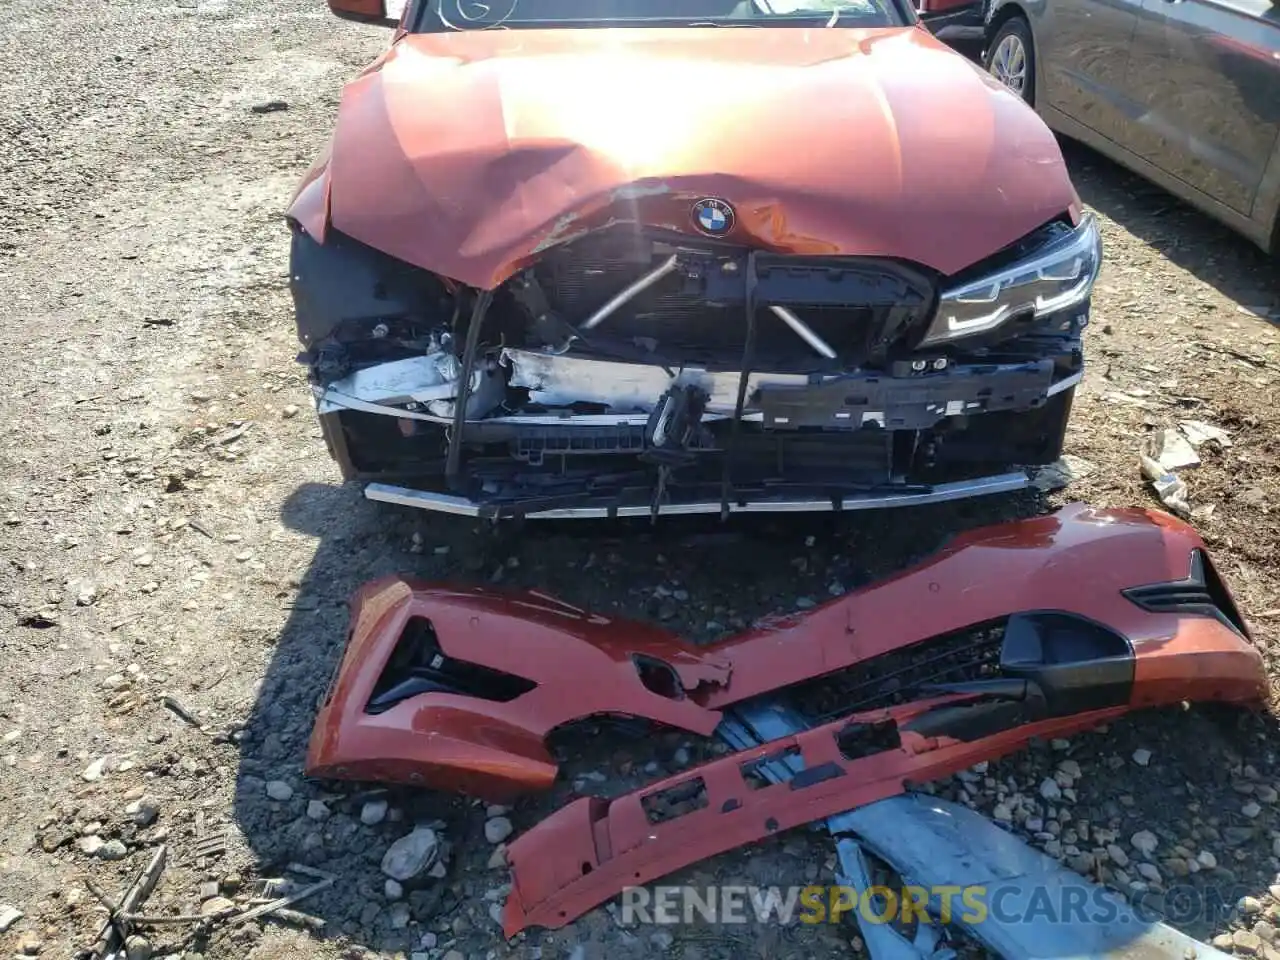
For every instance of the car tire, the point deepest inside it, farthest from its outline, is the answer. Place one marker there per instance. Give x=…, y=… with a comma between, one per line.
x=1011, y=58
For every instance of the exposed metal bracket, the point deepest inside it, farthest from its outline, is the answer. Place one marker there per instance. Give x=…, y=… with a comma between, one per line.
x=803, y=331
x=632, y=290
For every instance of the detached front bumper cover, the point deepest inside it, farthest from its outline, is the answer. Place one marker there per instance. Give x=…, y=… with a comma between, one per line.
x=1081, y=610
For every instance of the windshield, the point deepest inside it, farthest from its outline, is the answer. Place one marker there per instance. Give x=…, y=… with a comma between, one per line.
x=444, y=15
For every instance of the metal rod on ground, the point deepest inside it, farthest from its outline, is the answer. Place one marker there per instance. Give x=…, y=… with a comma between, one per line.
x=748, y=356
x=454, y=458
x=117, y=930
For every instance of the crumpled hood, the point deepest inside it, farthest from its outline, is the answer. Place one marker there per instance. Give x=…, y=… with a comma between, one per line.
x=469, y=153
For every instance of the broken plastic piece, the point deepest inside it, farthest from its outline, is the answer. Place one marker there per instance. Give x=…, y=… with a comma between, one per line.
x=1045, y=909
x=884, y=942
x=458, y=688
x=588, y=851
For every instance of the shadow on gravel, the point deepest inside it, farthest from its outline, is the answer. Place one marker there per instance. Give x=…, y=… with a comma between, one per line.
x=1214, y=254
x=1206, y=788
x=697, y=577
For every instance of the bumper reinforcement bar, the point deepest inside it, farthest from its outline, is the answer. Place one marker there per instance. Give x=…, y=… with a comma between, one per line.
x=589, y=851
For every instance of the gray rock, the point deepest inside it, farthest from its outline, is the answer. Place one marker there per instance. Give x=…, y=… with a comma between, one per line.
x=1246, y=941
x=496, y=810
x=1179, y=867
x=91, y=844
x=9, y=915
x=1251, y=809
x=1071, y=769
x=95, y=770
x=1145, y=842
x=399, y=916
x=373, y=812
x=392, y=889
x=681, y=757
x=1150, y=871
x=1081, y=862
x=113, y=850
x=498, y=859
x=317, y=810
x=1265, y=931
x=1142, y=756
x=1206, y=860
x=497, y=829
x=1249, y=906
x=1050, y=790
x=216, y=905
x=411, y=854
x=279, y=790
x=143, y=811
x=1117, y=855
x=137, y=948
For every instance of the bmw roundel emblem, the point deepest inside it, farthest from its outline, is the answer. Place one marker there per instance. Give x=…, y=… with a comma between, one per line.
x=713, y=217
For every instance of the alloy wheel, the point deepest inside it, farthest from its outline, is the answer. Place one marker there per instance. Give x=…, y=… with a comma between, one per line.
x=1009, y=63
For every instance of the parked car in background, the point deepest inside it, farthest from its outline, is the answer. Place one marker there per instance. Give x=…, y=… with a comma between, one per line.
x=632, y=257
x=1184, y=92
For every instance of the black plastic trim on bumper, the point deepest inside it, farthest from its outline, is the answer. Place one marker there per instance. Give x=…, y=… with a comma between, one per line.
x=906, y=403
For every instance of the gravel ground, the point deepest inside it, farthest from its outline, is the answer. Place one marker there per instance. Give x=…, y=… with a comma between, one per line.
x=173, y=528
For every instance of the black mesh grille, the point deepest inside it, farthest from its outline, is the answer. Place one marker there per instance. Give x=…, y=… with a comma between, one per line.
x=964, y=656
x=680, y=317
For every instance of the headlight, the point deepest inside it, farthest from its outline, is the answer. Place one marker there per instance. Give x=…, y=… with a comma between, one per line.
x=1048, y=278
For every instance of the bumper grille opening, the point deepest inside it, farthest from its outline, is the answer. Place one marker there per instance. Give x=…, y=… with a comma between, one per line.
x=1201, y=592
x=888, y=680
x=694, y=314
x=419, y=665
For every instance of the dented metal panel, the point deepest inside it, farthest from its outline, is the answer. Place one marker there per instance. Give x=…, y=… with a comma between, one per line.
x=468, y=153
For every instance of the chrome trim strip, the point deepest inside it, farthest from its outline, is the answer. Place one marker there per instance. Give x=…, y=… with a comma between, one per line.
x=941, y=493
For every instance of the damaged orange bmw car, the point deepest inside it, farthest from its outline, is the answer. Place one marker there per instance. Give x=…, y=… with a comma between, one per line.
x=650, y=257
